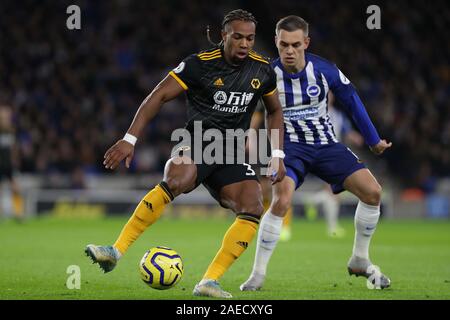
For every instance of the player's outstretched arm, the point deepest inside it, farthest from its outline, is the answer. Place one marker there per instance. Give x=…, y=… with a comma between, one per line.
x=165, y=91
x=274, y=118
x=346, y=94
x=365, y=125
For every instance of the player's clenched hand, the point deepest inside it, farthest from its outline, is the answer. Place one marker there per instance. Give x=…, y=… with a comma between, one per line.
x=121, y=150
x=380, y=147
x=277, y=170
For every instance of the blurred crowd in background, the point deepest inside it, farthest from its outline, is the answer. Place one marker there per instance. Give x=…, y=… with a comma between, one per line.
x=74, y=93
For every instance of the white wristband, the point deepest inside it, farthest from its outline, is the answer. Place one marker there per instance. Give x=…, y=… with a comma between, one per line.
x=130, y=138
x=277, y=153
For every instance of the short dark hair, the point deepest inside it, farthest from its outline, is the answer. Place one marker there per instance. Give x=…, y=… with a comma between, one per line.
x=238, y=14
x=292, y=23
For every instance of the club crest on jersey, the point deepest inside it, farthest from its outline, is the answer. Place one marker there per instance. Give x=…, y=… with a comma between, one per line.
x=313, y=90
x=255, y=83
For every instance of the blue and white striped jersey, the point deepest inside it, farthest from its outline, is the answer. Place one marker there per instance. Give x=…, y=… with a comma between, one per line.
x=303, y=97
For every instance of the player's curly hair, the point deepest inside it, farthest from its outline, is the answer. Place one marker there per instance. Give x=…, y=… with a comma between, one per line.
x=237, y=14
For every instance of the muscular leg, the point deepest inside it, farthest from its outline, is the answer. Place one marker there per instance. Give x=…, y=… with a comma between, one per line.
x=245, y=200
x=364, y=185
x=269, y=232
x=282, y=193
x=179, y=176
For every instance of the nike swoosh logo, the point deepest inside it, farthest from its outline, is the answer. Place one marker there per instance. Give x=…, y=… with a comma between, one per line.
x=265, y=241
x=370, y=228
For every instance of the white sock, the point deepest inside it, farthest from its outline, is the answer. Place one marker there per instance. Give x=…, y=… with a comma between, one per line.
x=366, y=219
x=331, y=210
x=268, y=235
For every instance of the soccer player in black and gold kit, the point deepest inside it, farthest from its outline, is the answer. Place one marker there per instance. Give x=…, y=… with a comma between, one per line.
x=223, y=86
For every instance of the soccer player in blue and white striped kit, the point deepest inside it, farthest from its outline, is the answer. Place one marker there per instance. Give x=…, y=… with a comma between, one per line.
x=303, y=81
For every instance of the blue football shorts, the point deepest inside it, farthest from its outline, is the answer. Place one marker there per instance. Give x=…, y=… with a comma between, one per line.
x=332, y=163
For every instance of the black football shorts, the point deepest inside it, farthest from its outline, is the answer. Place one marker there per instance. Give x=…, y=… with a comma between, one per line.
x=217, y=175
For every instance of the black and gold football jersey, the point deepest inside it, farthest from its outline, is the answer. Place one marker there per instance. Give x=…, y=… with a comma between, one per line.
x=220, y=95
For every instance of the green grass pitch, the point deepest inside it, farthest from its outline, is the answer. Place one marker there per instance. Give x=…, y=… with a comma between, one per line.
x=35, y=255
